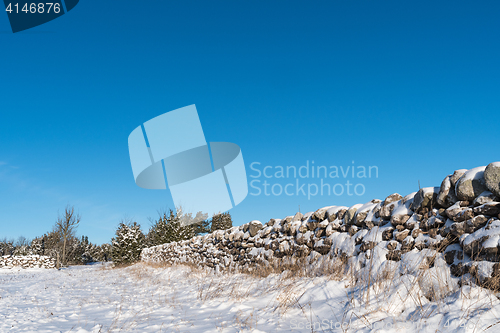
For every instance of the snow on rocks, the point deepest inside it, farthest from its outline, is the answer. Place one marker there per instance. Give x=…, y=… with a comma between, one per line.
x=492, y=177
x=458, y=223
x=471, y=184
x=30, y=261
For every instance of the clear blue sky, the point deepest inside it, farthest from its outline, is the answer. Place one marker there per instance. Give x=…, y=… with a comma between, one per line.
x=412, y=88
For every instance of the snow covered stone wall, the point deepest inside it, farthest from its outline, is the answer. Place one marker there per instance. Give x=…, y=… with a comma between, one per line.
x=455, y=226
x=31, y=261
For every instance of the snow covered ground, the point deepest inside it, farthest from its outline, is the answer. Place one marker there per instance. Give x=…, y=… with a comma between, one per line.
x=142, y=298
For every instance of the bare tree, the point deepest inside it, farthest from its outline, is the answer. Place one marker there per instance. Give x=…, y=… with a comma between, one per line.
x=66, y=227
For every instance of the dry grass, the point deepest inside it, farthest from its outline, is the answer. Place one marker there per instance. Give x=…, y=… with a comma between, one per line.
x=368, y=294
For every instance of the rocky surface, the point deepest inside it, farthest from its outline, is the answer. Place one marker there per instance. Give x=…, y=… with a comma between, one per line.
x=32, y=261
x=456, y=224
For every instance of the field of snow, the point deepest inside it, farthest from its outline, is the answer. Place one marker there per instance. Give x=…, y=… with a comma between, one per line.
x=142, y=298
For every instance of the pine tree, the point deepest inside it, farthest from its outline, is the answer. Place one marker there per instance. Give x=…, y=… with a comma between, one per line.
x=173, y=228
x=6, y=247
x=128, y=243
x=221, y=222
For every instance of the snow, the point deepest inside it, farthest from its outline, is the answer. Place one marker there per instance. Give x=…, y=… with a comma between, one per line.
x=143, y=298
x=401, y=209
x=492, y=231
x=334, y=209
x=367, y=206
x=475, y=173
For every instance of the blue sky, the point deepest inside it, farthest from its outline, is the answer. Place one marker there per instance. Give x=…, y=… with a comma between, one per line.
x=412, y=88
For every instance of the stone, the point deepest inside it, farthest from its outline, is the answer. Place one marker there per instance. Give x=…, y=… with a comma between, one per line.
x=254, y=227
x=483, y=198
x=492, y=178
x=320, y=214
x=367, y=246
x=407, y=244
x=446, y=196
x=353, y=230
x=392, y=245
x=433, y=232
x=475, y=223
x=386, y=211
x=471, y=184
x=359, y=218
x=399, y=219
x=350, y=213
x=456, y=212
x=297, y=217
x=457, y=229
x=341, y=213
x=425, y=198
x=413, y=222
x=456, y=176
x=402, y=235
x=431, y=222
x=330, y=229
x=490, y=209
x=392, y=198
x=416, y=232
x=312, y=225
x=387, y=234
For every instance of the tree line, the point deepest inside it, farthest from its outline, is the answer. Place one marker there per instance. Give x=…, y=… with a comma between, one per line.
x=62, y=243
x=170, y=227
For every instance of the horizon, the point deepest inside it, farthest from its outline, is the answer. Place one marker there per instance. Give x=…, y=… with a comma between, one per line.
x=411, y=89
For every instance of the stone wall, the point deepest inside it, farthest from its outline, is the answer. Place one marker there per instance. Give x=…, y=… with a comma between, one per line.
x=457, y=222
x=31, y=261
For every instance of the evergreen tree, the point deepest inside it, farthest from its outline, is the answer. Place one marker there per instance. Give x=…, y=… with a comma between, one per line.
x=6, y=247
x=128, y=243
x=221, y=222
x=175, y=227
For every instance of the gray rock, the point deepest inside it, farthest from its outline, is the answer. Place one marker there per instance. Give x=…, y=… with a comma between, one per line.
x=454, y=211
x=475, y=223
x=387, y=234
x=359, y=218
x=416, y=232
x=471, y=185
x=457, y=229
x=399, y=219
x=490, y=209
x=392, y=245
x=330, y=229
x=298, y=217
x=367, y=246
x=407, y=244
x=446, y=196
x=350, y=213
x=425, y=198
x=456, y=176
x=392, y=198
x=464, y=215
x=386, y=211
x=254, y=227
x=402, y=235
x=483, y=198
x=320, y=214
x=492, y=178
x=341, y=213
